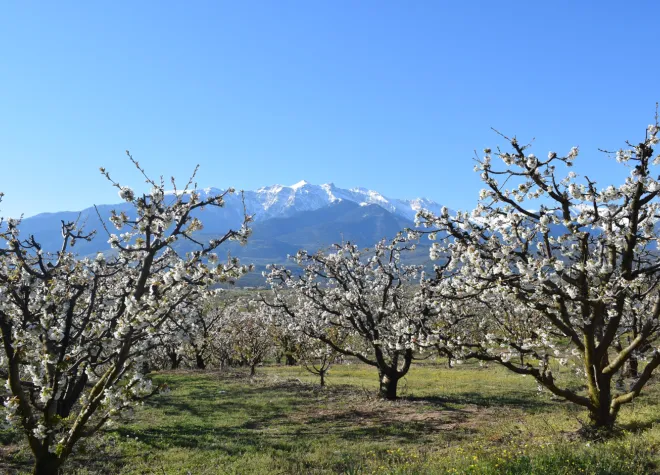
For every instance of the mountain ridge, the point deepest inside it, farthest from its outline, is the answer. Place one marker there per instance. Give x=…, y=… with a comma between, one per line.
x=284, y=200
x=286, y=217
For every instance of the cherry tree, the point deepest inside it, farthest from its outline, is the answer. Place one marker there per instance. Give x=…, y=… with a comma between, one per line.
x=75, y=331
x=318, y=357
x=287, y=342
x=207, y=318
x=314, y=355
x=553, y=273
x=190, y=336
x=363, y=304
x=248, y=333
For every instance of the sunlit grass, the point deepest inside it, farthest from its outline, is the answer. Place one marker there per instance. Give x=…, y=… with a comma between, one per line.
x=462, y=420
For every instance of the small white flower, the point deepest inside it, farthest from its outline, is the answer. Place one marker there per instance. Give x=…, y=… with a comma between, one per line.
x=40, y=432
x=126, y=194
x=532, y=161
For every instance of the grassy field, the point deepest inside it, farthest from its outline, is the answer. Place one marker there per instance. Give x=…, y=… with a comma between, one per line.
x=461, y=420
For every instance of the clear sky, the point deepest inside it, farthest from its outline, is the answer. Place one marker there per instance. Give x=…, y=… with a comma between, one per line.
x=389, y=95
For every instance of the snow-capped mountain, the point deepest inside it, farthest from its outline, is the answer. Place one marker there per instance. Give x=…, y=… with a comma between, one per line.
x=282, y=201
x=287, y=218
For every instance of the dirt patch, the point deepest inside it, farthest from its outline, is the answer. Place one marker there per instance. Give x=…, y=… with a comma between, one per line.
x=425, y=417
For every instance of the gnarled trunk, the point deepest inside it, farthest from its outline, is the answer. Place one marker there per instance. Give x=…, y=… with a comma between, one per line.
x=175, y=360
x=391, y=373
x=199, y=360
x=601, y=418
x=600, y=415
x=47, y=464
x=388, y=386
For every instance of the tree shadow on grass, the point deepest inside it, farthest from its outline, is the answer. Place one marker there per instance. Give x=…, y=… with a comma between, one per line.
x=640, y=426
x=401, y=424
x=12, y=462
x=286, y=416
x=413, y=433
x=293, y=414
x=297, y=409
x=487, y=401
x=257, y=410
x=89, y=456
x=244, y=398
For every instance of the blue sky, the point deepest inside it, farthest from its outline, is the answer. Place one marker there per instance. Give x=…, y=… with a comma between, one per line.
x=393, y=96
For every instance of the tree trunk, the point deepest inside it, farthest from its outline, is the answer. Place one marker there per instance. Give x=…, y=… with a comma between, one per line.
x=199, y=360
x=64, y=406
x=290, y=360
x=600, y=416
x=322, y=374
x=174, y=360
x=388, y=386
x=47, y=464
x=253, y=370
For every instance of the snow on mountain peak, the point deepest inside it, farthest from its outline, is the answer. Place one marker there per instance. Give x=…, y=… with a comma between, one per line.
x=299, y=185
x=279, y=201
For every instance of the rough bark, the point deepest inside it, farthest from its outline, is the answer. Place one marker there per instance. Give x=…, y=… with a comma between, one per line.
x=175, y=360
x=47, y=464
x=199, y=360
x=388, y=386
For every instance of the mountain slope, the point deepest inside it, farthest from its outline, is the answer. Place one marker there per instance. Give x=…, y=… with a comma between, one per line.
x=278, y=201
x=272, y=240
x=302, y=217
x=268, y=203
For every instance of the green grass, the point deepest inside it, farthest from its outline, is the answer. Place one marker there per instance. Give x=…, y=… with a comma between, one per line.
x=462, y=420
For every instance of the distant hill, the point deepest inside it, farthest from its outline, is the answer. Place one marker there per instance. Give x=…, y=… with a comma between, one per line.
x=287, y=219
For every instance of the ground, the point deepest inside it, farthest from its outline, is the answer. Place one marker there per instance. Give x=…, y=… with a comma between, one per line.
x=462, y=420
